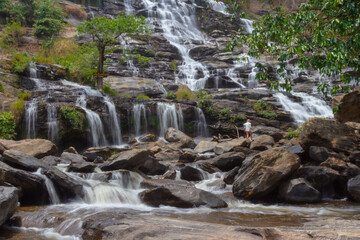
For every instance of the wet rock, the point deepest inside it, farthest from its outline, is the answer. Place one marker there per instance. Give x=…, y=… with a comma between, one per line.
x=154, y=183
x=298, y=150
x=191, y=174
x=69, y=187
x=174, y=135
x=8, y=203
x=205, y=146
x=22, y=161
x=71, y=150
x=230, y=175
x=226, y=161
x=148, y=138
x=318, y=154
x=72, y=158
x=2, y=176
x=262, y=143
x=83, y=167
x=168, y=155
x=51, y=160
x=262, y=174
x=298, y=191
x=170, y=174
x=327, y=133
x=187, y=157
x=153, y=167
x=38, y=148
x=129, y=160
x=181, y=196
x=98, y=159
x=353, y=188
x=349, y=106
x=104, y=152
x=31, y=187
x=207, y=167
x=201, y=52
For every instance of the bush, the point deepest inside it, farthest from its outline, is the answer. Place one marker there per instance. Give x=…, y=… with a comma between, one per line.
x=267, y=114
x=12, y=34
x=173, y=65
x=224, y=114
x=293, y=133
x=170, y=95
x=77, y=12
x=19, y=63
x=143, y=97
x=238, y=119
x=203, y=95
x=2, y=89
x=7, y=126
x=108, y=90
x=72, y=118
x=184, y=95
x=24, y=95
x=263, y=109
x=17, y=108
x=144, y=61
x=260, y=106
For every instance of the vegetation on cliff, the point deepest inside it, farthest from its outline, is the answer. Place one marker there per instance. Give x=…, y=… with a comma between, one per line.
x=7, y=126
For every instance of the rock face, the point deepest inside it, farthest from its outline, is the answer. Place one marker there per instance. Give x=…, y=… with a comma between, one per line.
x=21, y=160
x=2, y=176
x=298, y=191
x=224, y=147
x=329, y=134
x=262, y=142
x=205, y=146
x=181, y=196
x=318, y=154
x=127, y=160
x=8, y=203
x=263, y=172
x=38, y=148
x=226, y=161
x=191, y=174
x=349, y=106
x=353, y=188
x=174, y=135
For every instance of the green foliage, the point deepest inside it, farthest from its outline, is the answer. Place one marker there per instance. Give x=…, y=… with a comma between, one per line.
x=17, y=108
x=261, y=105
x=224, y=114
x=19, y=63
x=238, y=119
x=203, y=95
x=267, y=114
x=173, y=65
x=170, y=95
x=72, y=118
x=322, y=34
x=190, y=126
x=208, y=108
x=293, y=133
x=337, y=108
x=24, y=96
x=108, y=90
x=263, y=109
x=142, y=97
x=48, y=19
x=12, y=34
x=7, y=126
x=150, y=53
x=144, y=61
x=2, y=89
x=184, y=95
x=18, y=11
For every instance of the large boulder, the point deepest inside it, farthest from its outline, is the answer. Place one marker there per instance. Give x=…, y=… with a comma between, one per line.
x=127, y=160
x=181, y=196
x=8, y=203
x=34, y=147
x=154, y=183
x=329, y=134
x=23, y=161
x=205, y=146
x=262, y=174
x=69, y=187
x=153, y=167
x=78, y=163
x=298, y=191
x=349, y=106
x=31, y=186
x=353, y=188
x=2, y=176
x=262, y=142
x=173, y=135
x=191, y=174
x=226, y=161
x=227, y=146
x=318, y=154
x=72, y=157
x=229, y=177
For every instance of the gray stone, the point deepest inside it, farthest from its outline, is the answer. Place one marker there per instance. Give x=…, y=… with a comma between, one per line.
x=8, y=203
x=298, y=191
x=318, y=154
x=205, y=146
x=353, y=187
x=262, y=142
x=129, y=160
x=191, y=174
x=22, y=161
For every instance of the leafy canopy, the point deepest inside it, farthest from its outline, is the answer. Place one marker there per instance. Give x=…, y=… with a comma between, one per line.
x=323, y=35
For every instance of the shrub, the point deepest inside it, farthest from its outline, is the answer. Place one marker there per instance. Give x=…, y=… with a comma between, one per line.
x=2, y=89
x=150, y=53
x=224, y=114
x=108, y=90
x=184, y=95
x=238, y=119
x=7, y=126
x=24, y=95
x=267, y=114
x=203, y=95
x=17, y=108
x=143, y=97
x=12, y=34
x=77, y=12
x=72, y=118
x=144, y=61
x=19, y=63
x=173, y=65
x=263, y=109
x=170, y=95
x=293, y=133
x=260, y=106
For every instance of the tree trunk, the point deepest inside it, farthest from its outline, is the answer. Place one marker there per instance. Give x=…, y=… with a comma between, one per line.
x=100, y=69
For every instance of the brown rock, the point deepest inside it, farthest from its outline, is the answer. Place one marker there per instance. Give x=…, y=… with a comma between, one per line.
x=174, y=135
x=298, y=191
x=262, y=142
x=349, y=106
x=8, y=203
x=71, y=150
x=205, y=146
x=129, y=160
x=38, y=148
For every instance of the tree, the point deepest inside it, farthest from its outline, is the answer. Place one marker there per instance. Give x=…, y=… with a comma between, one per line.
x=323, y=35
x=105, y=32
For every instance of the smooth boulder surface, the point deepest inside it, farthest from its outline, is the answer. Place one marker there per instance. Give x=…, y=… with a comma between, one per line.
x=173, y=135
x=319, y=177
x=349, y=106
x=262, y=142
x=262, y=174
x=230, y=175
x=154, y=183
x=127, y=160
x=8, y=203
x=191, y=174
x=181, y=196
x=353, y=188
x=83, y=167
x=31, y=187
x=327, y=133
x=23, y=161
x=205, y=146
x=227, y=146
x=298, y=191
x=72, y=157
x=38, y=148
x=318, y=154
x=153, y=167
x=226, y=161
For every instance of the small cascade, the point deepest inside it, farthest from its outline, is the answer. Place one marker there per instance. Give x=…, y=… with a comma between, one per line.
x=114, y=122
x=34, y=76
x=201, y=125
x=126, y=50
x=252, y=81
x=249, y=28
x=52, y=122
x=129, y=9
x=309, y=107
x=218, y=6
x=89, y=91
x=30, y=118
x=168, y=117
x=96, y=126
x=54, y=198
x=242, y=61
x=140, y=119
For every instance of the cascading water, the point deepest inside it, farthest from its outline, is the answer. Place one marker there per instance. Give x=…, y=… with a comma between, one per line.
x=54, y=197
x=168, y=117
x=30, y=118
x=309, y=107
x=114, y=122
x=178, y=22
x=52, y=122
x=249, y=28
x=34, y=76
x=201, y=125
x=140, y=119
x=242, y=61
x=96, y=126
x=86, y=89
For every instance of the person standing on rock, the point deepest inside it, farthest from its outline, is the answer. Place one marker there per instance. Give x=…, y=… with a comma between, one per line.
x=248, y=132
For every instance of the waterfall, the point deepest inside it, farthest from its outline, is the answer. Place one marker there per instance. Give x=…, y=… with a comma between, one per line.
x=139, y=113
x=309, y=107
x=34, y=76
x=201, y=125
x=52, y=122
x=30, y=118
x=54, y=198
x=218, y=6
x=114, y=122
x=242, y=61
x=179, y=24
x=252, y=81
x=129, y=10
x=168, y=117
x=127, y=56
x=86, y=89
x=248, y=25
x=96, y=126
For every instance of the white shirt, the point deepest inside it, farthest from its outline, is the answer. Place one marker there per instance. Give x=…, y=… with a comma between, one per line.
x=247, y=126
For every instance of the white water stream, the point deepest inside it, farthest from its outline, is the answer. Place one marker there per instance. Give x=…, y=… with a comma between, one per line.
x=114, y=122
